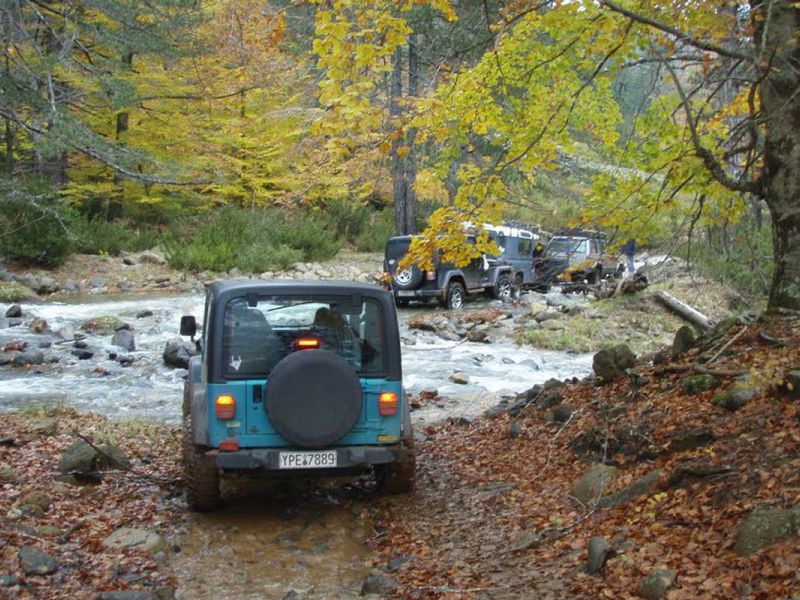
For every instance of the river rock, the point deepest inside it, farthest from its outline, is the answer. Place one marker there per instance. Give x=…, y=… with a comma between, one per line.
x=35, y=498
x=9, y=580
x=599, y=552
x=140, y=539
x=153, y=258
x=656, y=584
x=82, y=457
x=378, y=584
x=610, y=363
x=124, y=339
x=14, y=311
x=696, y=384
x=41, y=284
x=765, y=526
x=561, y=413
x=38, y=325
x=684, y=340
x=79, y=457
x=459, y=377
x=34, y=562
x=177, y=353
x=7, y=472
x=31, y=357
x=103, y=324
x=82, y=353
x=98, y=282
x=592, y=485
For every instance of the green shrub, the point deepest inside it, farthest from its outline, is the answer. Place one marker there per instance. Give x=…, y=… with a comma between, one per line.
x=98, y=236
x=253, y=241
x=380, y=228
x=11, y=291
x=33, y=225
x=311, y=232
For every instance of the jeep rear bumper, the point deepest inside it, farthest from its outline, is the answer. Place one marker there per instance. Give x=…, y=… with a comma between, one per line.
x=414, y=294
x=269, y=458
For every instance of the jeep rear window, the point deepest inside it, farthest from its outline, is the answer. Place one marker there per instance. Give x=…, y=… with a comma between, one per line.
x=396, y=248
x=259, y=333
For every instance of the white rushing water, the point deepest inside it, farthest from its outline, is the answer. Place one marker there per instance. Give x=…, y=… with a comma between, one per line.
x=148, y=389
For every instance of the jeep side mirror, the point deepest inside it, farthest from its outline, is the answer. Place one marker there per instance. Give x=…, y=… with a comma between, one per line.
x=188, y=326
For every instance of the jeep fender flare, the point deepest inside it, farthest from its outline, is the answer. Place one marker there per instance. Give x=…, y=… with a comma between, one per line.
x=504, y=270
x=450, y=277
x=194, y=401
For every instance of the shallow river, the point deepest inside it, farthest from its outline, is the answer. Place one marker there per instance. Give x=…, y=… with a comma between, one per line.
x=284, y=540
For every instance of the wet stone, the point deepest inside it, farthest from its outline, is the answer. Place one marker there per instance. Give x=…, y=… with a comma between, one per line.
x=599, y=552
x=656, y=584
x=34, y=562
x=33, y=357
x=9, y=580
x=378, y=584
x=397, y=562
x=14, y=311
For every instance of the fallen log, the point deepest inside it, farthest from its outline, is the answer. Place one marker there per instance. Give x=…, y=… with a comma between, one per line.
x=686, y=312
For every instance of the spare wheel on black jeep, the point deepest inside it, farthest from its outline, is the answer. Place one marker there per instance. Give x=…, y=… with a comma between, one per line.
x=407, y=279
x=313, y=398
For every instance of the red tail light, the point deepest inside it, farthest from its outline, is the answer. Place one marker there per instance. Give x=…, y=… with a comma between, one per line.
x=225, y=407
x=306, y=343
x=229, y=445
x=387, y=404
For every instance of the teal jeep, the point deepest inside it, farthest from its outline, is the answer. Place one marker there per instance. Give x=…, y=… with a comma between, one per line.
x=295, y=378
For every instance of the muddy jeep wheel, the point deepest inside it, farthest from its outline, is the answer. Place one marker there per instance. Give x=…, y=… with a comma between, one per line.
x=200, y=474
x=454, y=297
x=398, y=477
x=503, y=289
x=518, y=285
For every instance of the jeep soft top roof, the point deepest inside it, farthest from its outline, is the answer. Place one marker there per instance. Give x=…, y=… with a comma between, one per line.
x=291, y=285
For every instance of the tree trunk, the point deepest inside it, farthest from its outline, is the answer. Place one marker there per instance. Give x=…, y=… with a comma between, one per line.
x=781, y=175
x=397, y=167
x=115, y=203
x=411, y=161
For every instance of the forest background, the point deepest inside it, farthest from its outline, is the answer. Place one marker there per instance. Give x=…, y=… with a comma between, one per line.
x=255, y=134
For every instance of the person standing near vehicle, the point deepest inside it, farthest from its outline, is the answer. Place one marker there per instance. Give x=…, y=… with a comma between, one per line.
x=629, y=250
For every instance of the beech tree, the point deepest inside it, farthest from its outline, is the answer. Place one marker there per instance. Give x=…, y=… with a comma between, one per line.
x=718, y=135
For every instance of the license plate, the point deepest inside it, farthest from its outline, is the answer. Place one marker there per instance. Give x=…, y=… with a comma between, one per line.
x=307, y=460
x=405, y=294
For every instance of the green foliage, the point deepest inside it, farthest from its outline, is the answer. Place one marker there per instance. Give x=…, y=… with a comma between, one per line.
x=739, y=256
x=378, y=229
x=98, y=236
x=11, y=291
x=33, y=224
x=251, y=240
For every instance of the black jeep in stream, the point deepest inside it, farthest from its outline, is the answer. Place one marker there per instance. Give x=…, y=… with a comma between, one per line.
x=447, y=283
x=295, y=378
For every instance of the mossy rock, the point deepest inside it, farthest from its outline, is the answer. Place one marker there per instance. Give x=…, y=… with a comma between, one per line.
x=104, y=324
x=696, y=384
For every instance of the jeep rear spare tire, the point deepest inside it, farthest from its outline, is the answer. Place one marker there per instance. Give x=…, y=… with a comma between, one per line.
x=407, y=279
x=313, y=398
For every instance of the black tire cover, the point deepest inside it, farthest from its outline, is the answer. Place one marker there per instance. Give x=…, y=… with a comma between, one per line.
x=313, y=398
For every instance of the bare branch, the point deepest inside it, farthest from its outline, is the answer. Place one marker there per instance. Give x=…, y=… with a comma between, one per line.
x=684, y=37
